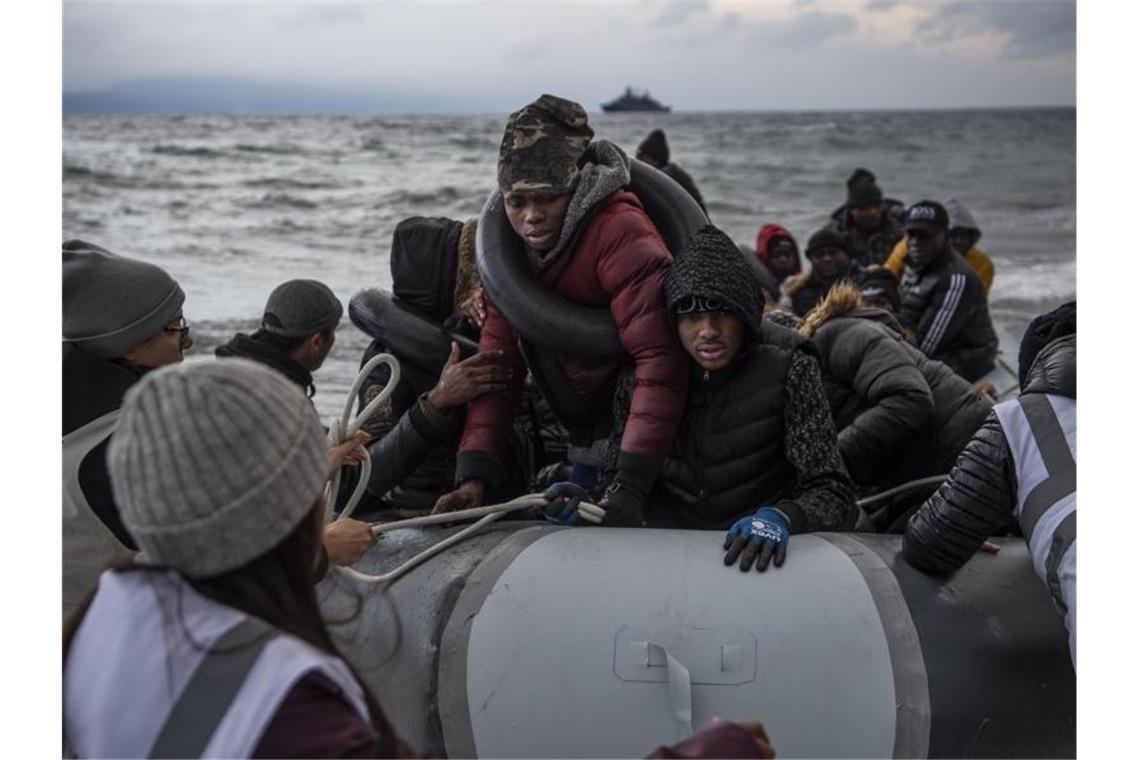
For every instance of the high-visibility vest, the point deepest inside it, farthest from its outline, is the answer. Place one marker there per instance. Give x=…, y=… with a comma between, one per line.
x=158, y=670
x=88, y=544
x=1041, y=430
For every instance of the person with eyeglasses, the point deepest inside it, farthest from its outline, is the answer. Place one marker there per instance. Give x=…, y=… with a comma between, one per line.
x=122, y=318
x=756, y=452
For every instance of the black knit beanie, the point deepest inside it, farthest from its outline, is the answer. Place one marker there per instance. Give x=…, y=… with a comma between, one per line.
x=878, y=281
x=862, y=189
x=825, y=238
x=711, y=266
x=1041, y=332
x=655, y=147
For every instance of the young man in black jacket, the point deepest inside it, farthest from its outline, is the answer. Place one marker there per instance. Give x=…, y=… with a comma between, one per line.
x=756, y=452
x=944, y=305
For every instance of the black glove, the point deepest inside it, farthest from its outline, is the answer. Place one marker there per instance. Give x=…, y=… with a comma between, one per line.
x=623, y=506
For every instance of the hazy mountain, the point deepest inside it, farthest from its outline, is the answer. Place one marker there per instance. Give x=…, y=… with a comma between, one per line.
x=241, y=97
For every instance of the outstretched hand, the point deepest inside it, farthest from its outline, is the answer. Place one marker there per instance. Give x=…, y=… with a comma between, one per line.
x=461, y=381
x=474, y=308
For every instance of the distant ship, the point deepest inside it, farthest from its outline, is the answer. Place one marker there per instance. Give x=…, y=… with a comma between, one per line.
x=634, y=102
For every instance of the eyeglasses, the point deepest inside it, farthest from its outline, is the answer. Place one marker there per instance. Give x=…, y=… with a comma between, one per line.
x=182, y=327
x=698, y=305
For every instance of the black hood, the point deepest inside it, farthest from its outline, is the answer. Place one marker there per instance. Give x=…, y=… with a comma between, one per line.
x=424, y=257
x=1055, y=369
x=882, y=316
x=261, y=348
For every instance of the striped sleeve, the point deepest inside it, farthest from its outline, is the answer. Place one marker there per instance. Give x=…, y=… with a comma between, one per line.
x=944, y=311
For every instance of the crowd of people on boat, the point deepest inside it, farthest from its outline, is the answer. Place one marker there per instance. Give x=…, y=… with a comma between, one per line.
x=746, y=394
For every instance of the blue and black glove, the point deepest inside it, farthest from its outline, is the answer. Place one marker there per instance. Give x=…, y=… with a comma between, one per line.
x=562, y=503
x=758, y=538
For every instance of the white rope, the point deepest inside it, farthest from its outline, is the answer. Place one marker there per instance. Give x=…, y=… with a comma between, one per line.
x=343, y=428
x=486, y=515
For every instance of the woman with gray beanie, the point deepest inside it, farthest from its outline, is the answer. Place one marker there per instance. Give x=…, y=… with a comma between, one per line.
x=121, y=319
x=211, y=642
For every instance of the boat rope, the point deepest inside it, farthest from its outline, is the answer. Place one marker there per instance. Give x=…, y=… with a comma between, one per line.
x=344, y=427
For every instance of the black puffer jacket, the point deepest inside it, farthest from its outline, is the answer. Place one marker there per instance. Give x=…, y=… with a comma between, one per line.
x=981, y=493
x=900, y=415
x=945, y=304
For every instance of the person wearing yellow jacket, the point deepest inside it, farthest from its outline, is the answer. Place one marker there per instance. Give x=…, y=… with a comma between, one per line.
x=964, y=236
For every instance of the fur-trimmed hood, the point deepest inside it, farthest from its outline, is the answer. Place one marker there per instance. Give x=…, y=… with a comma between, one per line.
x=844, y=300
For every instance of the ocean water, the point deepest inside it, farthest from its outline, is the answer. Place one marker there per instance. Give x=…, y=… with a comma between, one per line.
x=233, y=206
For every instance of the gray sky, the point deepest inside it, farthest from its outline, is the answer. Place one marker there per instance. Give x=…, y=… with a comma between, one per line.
x=492, y=56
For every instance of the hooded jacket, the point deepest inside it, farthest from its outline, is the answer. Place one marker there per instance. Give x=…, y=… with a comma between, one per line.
x=900, y=415
x=764, y=238
x=756, y=432
x=981, y=493
x=608, y=255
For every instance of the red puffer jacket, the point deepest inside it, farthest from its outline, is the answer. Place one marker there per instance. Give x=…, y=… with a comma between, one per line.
x=620, y=261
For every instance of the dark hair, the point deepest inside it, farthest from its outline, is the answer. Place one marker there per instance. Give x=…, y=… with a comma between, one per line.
x=276, y=587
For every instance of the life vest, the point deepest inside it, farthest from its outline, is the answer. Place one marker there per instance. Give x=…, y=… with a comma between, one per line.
x=1042, y=433
x=88, y=544
x=158, y=670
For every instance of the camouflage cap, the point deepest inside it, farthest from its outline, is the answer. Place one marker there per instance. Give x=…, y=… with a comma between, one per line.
x=542, y=145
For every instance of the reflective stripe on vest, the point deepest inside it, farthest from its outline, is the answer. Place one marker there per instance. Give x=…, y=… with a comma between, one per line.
x=1041, y=430
x=156, y=669
x=88, y=544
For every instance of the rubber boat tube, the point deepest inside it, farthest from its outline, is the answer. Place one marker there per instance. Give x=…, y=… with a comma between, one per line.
x=409, y=336
x=532, y=640
x=545, y=317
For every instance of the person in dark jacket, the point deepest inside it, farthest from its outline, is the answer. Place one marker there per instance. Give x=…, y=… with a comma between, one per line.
x=756, y=452
x=869, y=222
x=1021, y=464
x=654, y=150
x=830, y=263
x=417, y=429
x=900, y=415
x=589, y=237
x=122, y=318
x=943, y=304
x=298, y=331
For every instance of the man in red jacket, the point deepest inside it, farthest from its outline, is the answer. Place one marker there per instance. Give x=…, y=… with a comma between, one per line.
x=589, y=238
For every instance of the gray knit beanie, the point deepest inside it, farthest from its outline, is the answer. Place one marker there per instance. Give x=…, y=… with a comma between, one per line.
x=299, y=308
x=112, y=303
x=213, y=463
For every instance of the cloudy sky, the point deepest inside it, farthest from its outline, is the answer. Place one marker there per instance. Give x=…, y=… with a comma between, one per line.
x=484, y=56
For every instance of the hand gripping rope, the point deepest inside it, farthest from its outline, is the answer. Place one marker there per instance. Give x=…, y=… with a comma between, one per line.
x=344, y=427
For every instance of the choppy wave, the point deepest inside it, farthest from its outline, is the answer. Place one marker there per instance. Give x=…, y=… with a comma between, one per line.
x=186, y=151
x=279, y=200
x=278, y=150
x=284, y=183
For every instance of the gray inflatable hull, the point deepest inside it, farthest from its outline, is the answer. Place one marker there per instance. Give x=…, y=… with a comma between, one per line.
x=538, y=641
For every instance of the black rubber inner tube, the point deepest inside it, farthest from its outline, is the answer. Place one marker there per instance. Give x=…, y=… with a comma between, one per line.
x=410, y=337
x=548, y=319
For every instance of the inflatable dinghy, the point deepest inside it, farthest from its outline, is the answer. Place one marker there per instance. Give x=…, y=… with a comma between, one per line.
x=533, y=640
